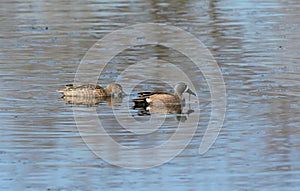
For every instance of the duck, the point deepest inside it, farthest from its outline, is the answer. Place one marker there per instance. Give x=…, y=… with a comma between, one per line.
x=157, y=99
x=92, y=90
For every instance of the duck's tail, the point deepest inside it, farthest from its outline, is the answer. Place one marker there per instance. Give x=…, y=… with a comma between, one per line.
x=68, y=87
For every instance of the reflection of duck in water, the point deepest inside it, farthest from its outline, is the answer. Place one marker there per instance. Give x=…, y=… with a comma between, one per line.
x=91, y=90
x=85, y=101
x=162, y=102
x=91, y=101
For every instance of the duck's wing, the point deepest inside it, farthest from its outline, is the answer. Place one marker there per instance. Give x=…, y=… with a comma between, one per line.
x=141, y=101
x=152, y=93
x=85, y=86
x=81, y=90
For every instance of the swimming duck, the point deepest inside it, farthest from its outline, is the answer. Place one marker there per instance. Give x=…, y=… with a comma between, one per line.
x=162, y=98
x=92, y=90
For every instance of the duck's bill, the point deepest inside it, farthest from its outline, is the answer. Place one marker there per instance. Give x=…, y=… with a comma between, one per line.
x=190, y=92
x=123, y=94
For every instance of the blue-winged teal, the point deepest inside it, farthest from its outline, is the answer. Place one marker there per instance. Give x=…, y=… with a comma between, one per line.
x=162, y=98
x=91, y=90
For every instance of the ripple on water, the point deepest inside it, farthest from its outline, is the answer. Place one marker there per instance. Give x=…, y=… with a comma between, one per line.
x=255, y=43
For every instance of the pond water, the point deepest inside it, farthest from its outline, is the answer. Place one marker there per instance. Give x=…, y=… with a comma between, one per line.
x=255, y=43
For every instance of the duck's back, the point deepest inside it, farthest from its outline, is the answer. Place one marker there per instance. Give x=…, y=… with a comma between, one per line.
x=88, y=90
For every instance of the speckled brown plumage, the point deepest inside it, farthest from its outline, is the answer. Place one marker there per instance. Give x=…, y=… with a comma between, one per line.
x=91, y=90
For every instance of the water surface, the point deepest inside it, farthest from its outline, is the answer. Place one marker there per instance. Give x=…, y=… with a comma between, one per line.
x=255, y=43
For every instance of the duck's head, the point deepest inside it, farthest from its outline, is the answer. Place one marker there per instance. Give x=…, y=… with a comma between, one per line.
x=181, y=88
x=115, y=90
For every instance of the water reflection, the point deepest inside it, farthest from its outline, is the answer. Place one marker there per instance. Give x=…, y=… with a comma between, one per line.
x=256, y=44
x=91, y=101
x=176, y=110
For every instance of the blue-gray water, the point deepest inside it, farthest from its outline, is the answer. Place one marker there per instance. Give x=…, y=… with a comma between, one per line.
x=256, y=44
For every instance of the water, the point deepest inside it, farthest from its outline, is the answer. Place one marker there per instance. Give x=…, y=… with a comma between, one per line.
x=256, y=45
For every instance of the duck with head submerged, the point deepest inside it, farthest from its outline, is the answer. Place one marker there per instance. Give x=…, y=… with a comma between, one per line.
x=92, y=90
x=162, y=98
